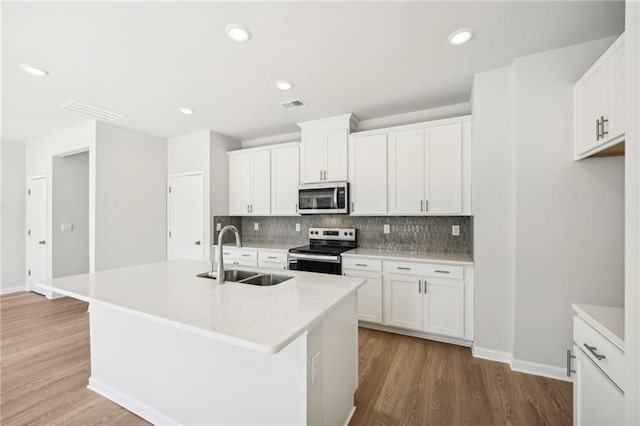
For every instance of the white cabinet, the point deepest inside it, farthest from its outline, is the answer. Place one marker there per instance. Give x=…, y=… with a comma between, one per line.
x=599, y=100
x=417, y=301
x=426, y=170
x=273, y=259
x=249, y=183
x=368, y=175
x=285, y=174
x=239, y=256
x=369, y=295
x=324, y=149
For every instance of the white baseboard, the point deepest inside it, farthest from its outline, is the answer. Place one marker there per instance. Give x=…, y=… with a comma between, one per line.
x=521, y=366
x=12, y=290
x=129, y=403
x=543, y=370
x=353, y=410
x=428, y=336
x=490, y=354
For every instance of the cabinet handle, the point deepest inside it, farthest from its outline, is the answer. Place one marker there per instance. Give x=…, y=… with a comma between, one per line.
x=245, y=255
x=247, y=208
x=271, y=257
x=361, y=264
x=425, y=286
x=197, y=243
x=603, y=121
x=443, y=272
x=403, y=268
x=296, y=207
x=593, y=349
x=426, y=206
x=597, y=129
x=569, y=356
x=421, y=208
x=320, y=174
x=42, y=242
x=419, y=286
x=352, y=209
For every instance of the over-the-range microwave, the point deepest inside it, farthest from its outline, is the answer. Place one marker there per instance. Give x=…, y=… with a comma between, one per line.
x=323, y=198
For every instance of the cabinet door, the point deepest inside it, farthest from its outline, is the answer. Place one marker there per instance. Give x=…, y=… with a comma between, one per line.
x=406, y=172
x=591, y=99
x=444, y=307
x=314, y=148
x=615, y=127
x=284, y=180
x=402, y=301
x=261, y=183
x=369, y=175
x=369, y=296
x=336, y=155
x=443, y=174
x=598, y=400
x=240, y=170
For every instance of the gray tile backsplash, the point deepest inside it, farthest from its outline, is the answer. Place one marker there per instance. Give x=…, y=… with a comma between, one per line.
x=410, y=233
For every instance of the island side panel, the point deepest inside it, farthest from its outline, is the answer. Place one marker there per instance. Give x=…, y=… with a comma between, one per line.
x=172, y=376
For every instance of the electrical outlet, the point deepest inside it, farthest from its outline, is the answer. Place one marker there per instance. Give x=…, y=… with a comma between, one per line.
x=455, y=230
x=218, y=226
x=315, y=367
x=297, y=227
x=256, y=226
x=387, y=228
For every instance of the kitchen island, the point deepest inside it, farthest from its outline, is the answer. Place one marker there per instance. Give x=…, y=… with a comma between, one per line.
x=178, y=349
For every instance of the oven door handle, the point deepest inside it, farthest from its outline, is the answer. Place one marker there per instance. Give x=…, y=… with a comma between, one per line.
x=315, y=257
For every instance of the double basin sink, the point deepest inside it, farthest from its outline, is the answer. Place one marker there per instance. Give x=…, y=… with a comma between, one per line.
x=248, y=277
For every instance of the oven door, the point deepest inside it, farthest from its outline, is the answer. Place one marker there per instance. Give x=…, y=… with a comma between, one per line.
x=323, y=264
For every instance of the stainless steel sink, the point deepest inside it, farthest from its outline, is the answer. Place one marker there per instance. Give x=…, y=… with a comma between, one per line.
x=266, y=279
x=230, y=275
x=248, y=277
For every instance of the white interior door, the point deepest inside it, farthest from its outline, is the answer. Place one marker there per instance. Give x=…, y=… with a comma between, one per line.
x=186, y=217
x=37, y=231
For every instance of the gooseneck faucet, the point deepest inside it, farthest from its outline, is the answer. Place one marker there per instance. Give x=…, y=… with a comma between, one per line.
x=220, y=268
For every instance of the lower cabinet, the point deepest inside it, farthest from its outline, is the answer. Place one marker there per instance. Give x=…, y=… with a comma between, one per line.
x=424, y=303
x=369, y=295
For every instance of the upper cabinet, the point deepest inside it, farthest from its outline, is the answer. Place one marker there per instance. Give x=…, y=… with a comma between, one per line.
x=323, y=152
x=420, y=169
x=285, y=174
x=250, y=182
x=599, y=105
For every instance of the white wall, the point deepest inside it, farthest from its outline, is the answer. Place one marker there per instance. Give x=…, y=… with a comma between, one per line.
x=569, y=215
x=71, y=206
x=548, y=231
x=12, y=217
x=632, y=214
x=220, y=145
x=493, y=192
x=131, y=199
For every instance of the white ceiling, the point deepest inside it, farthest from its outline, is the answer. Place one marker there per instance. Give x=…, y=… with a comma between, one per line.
x=373, y=59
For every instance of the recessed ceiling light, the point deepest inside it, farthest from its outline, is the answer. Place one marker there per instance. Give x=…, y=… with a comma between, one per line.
x=34, y=70
x=186, y=111
x=283, y=85
x=237, y=33
x=461, y=36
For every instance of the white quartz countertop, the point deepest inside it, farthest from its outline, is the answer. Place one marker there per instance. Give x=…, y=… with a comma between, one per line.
x=607, y=320
x=264, y=319
x=264, y=246
x=445, y=258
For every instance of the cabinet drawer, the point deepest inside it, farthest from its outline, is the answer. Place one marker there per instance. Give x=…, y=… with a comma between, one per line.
x=272, y=256
x=424, y=269
x=374, y=265
x=238, y=254
x=612, y=362
x=273, y=265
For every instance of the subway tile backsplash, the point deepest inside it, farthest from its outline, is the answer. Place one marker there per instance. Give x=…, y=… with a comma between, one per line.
x=408, y=233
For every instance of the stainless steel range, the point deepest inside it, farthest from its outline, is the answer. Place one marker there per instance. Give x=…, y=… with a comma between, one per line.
x=323, y=252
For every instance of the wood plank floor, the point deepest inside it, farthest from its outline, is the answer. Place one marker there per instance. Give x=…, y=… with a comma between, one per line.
x=44, y=368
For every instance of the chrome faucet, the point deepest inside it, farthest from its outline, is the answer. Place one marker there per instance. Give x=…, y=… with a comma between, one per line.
x=220, y=266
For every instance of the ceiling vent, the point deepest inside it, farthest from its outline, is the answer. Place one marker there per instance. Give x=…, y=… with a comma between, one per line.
x=295, y=103
x=98, y=113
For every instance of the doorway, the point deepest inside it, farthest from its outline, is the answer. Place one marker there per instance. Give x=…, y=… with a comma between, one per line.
x=186, y=216
x=37, y=254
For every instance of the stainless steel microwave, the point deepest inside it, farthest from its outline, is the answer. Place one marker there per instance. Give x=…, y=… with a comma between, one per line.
x=323, y=198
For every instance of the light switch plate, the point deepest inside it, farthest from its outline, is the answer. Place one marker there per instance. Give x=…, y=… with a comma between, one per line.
x=297, y=227
x=387, y=228
x=218, y=226
x=455, y=230
x=66, y=227
x=256, y=226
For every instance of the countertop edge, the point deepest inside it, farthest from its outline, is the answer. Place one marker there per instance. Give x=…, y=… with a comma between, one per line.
x=598, y=325
x=410, y=259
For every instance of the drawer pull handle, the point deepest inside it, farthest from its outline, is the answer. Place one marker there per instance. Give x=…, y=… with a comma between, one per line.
x=226, y=253
x=443, y=272
x=593, y=349
x=246, y=255
x=569, y=357
x=403, y=268
x=361, y=264
x=271, y=257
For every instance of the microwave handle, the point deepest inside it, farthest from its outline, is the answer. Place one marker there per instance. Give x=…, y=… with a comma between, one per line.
x=335, y=197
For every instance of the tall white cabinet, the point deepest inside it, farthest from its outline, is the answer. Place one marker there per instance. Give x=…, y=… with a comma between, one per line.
x=418, y=169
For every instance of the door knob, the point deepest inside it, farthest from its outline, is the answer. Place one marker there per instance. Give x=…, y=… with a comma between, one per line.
x=197, y=243
x=43, y=242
